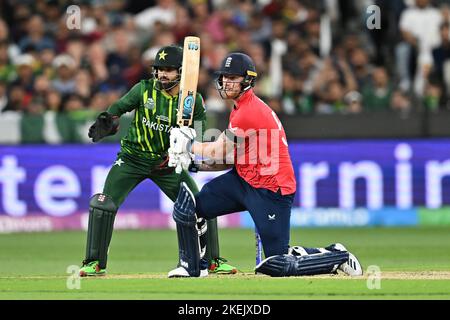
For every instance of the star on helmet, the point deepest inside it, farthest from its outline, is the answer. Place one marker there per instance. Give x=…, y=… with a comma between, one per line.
x=162, y=55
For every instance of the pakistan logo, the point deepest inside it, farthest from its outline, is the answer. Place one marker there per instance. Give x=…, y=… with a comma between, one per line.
x=150, y=104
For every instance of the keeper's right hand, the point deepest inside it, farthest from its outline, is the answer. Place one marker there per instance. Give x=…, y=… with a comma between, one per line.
x=105, y=125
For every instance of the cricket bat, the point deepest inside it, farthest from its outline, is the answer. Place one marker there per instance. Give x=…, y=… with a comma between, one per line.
x=189, y=80
x=188, y=83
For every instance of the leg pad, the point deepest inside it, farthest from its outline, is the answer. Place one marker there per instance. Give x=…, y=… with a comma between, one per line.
x=102, y=212
x=289, y=265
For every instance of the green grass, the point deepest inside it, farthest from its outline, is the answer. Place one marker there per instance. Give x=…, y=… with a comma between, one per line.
x=33, y=266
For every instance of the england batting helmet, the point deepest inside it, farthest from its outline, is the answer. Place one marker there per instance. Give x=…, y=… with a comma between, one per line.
x=238, y=64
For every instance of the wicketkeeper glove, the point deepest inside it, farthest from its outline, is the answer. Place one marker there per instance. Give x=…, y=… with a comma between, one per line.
x=105, y=125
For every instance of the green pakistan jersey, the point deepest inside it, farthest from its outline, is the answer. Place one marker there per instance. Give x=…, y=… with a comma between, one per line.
x=155, y=115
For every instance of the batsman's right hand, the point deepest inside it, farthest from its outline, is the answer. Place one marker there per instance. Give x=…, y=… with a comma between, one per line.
x=105, y=125
x=180, y=161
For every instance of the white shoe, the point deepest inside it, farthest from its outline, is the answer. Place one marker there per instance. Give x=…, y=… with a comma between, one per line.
x=352, y=267
x=181, y=272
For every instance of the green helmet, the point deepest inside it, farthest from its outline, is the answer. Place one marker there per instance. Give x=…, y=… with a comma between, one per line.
x=169, y=57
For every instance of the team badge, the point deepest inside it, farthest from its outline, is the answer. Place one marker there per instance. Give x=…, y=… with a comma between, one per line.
x=150, y=104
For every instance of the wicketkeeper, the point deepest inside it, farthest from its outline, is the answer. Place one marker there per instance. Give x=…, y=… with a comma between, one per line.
x=143, y=155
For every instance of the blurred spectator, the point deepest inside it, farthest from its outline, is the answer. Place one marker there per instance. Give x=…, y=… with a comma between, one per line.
x=53, y=100
x=419, y=26
x=6, y=40
x=83, y=84
x=25, y=71
x=117, y=45
x=432, y=97
x=441, y=59
x=290, y=94
x=362, y=69
x=21, y=16
x=334, y=80
x=203, y=82
x=332, y=100
x=51, y=13
x=64, y=82
x=41, y=85
x=297, y=94
x=7, y=70
x=46, y=57
x=377, y=95
x=275, y=104
x=76, y=48
x=307, y=69
x=113, y=95
x=164, y=11
x=3, y=96
x=260, y=26
x=36, y=35
x=115, y=82
x=135, y=70
x=74, y=102
x=36, y=106
x=384, y=37
x=98, y=102
x=17, y=98
x=183, y=25
x=96, y=57
x=400, y=102
x=4, y=31
x=353, y=102
x=211, y=22
x=313, y=35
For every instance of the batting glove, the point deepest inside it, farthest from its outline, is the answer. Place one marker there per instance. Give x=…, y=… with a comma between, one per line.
x=181, y=139
x=181, y=161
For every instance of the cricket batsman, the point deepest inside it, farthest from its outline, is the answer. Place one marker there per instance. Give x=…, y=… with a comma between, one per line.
x=143, y=155
x=261, y=181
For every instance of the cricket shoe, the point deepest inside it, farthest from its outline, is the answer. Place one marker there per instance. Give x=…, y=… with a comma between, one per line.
x=220, y=266
x=181, y=272
x=91, y=269
x=352, y=267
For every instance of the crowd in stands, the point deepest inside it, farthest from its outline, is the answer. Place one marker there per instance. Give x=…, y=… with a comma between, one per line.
x=312, y=56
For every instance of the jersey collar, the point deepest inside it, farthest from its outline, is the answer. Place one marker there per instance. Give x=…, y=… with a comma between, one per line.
x=244, y=99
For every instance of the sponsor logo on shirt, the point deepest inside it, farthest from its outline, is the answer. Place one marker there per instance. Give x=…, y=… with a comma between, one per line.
x=150, y=104
x=162, y=118
x=156, y=126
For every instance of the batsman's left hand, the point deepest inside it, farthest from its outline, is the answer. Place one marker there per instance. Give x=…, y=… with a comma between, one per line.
x=181, y=139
